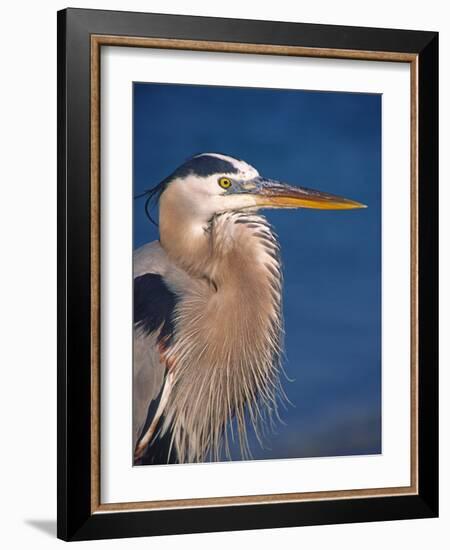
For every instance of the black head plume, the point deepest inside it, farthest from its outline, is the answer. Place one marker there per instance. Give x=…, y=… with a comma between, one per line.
x=152, y=197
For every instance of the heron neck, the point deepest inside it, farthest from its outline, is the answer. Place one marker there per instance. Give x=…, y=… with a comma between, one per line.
x=185, y=241
x=228, y=248
x=228, y=335
x=244, y=250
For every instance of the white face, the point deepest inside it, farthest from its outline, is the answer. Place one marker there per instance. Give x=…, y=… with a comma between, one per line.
x=204, y=196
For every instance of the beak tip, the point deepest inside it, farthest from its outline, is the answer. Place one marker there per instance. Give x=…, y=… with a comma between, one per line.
x=356, y=205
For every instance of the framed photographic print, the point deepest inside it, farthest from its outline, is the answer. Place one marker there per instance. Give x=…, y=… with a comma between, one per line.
x=247, y=274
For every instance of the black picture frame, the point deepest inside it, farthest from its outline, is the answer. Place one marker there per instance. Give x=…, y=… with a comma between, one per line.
x=76, y=520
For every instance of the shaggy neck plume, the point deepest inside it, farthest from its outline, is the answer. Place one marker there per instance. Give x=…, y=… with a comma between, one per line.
x=227, y=367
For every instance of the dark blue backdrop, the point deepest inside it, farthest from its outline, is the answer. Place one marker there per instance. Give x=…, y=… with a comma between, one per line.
x=332, y=259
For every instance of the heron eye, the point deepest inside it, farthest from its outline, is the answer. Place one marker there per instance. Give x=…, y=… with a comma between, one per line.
x=225, y=183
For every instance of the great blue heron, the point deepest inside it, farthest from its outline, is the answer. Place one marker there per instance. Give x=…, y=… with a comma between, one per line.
x=207, y=309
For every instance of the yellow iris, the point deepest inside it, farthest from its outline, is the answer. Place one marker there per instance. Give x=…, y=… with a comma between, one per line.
x=225, y=183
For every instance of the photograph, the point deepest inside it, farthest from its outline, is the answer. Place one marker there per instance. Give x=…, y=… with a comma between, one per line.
x=256, y=273
x=247, y=274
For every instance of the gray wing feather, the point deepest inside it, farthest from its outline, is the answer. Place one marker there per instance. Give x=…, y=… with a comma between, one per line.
x=148, y=378
x=153, y=308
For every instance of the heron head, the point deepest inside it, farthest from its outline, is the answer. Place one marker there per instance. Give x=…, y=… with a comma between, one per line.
x=212, y=183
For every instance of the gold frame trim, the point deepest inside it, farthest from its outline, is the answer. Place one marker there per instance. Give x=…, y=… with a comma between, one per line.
x=97, y=41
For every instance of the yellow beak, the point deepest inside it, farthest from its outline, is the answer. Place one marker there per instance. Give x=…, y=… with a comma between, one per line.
x=273, y=194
